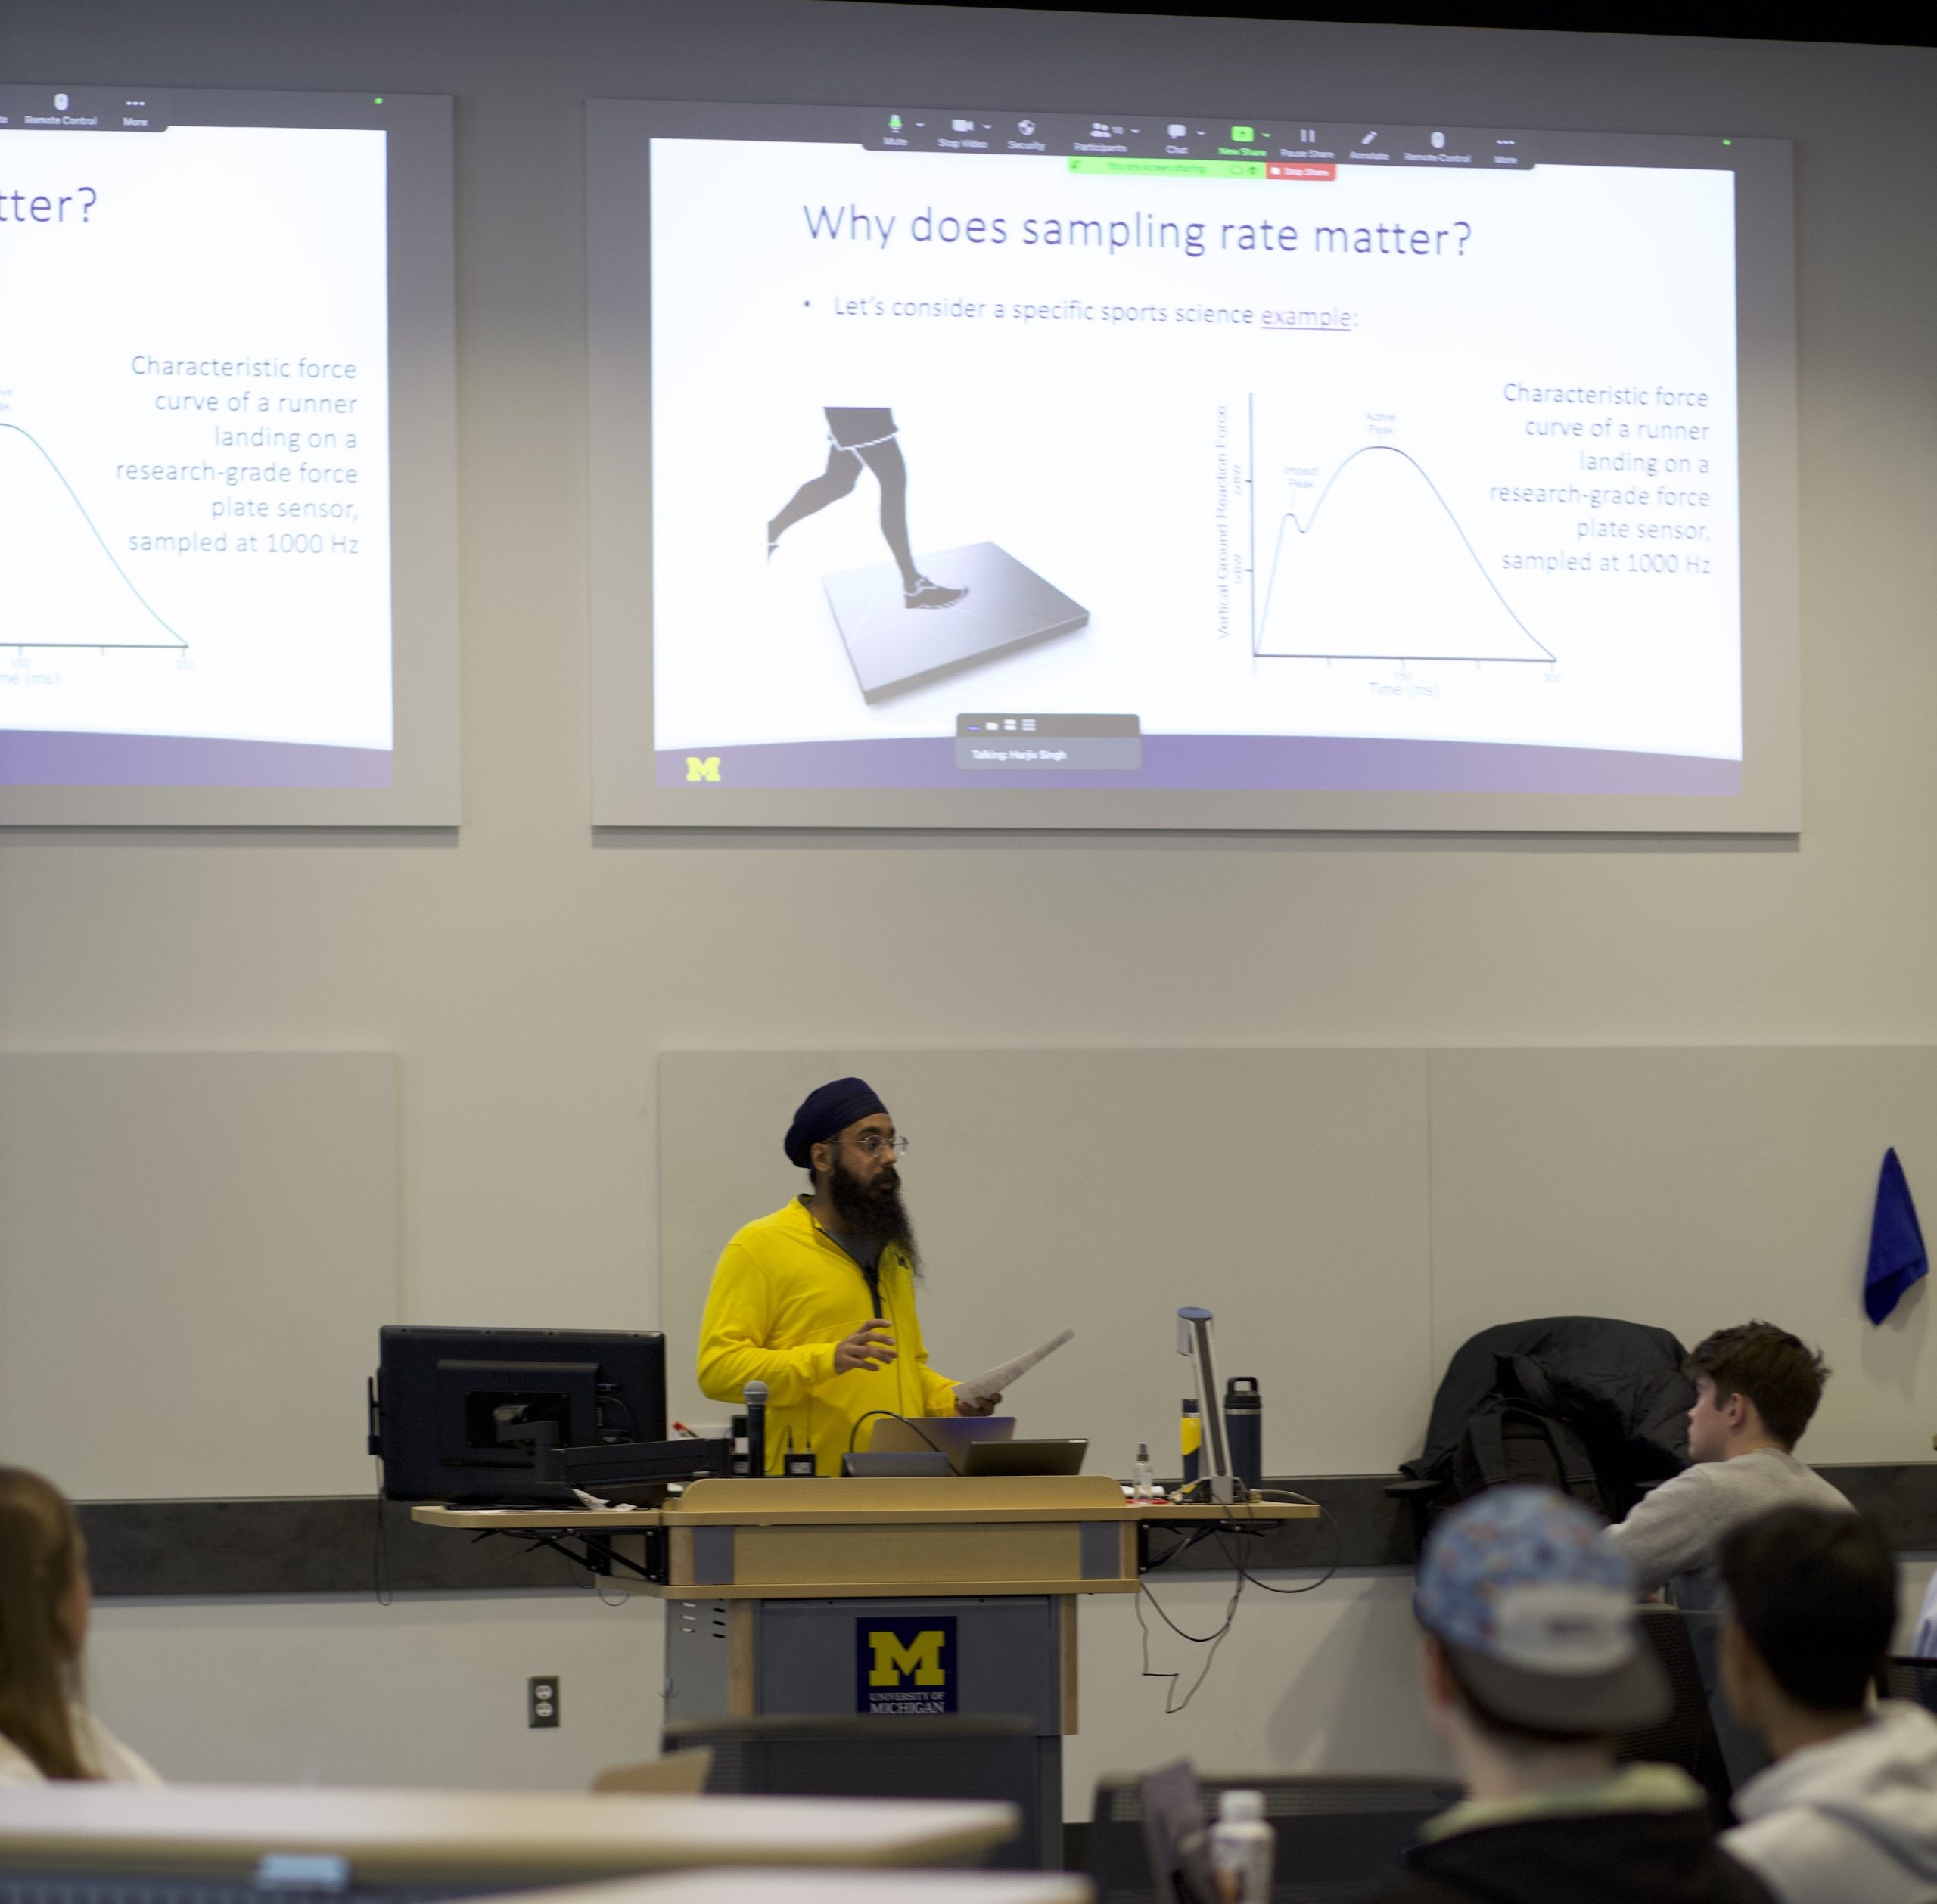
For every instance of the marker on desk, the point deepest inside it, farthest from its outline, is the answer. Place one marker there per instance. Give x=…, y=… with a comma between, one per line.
x=755, y=1396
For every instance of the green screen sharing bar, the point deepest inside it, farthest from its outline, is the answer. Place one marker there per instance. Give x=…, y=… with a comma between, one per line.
x=1174, y=168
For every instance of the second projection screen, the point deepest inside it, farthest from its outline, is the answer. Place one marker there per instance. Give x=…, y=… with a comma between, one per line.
x=1125, y=462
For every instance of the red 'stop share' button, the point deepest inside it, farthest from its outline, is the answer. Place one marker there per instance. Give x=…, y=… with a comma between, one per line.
x=1287, y=169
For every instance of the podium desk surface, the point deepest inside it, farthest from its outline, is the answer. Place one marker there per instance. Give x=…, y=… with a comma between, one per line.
x=853, y=1500
x=551, y=1838
x=733, y=1887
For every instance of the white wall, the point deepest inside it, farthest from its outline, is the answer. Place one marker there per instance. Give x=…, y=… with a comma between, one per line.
x=527, y=976
x=430, y=1690
x=210, y=1237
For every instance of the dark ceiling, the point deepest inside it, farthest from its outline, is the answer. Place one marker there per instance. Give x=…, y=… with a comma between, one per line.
x=1863, y=23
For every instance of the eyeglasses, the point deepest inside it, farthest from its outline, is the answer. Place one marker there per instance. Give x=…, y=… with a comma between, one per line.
x=872, y=1143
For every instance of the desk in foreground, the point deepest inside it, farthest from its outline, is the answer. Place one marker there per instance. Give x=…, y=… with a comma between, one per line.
x=451, y=1839
x=771, y=1540
x=729, y=1887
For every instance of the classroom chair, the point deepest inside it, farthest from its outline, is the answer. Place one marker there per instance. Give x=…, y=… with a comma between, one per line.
x=1899, y=1678
x=680, y=1772
x=1686, y=1738
x=939, y=1755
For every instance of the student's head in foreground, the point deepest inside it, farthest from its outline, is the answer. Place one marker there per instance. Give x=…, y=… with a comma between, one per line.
x=1756, y=1385
x=1534, y=1652
x=1812, y=1604
x=44, y=1605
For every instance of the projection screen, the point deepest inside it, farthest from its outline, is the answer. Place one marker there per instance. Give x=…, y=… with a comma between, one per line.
x=228, y=482
x=964, y=468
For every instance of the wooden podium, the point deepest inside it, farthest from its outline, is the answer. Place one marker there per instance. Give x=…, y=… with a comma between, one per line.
x=855, y=1597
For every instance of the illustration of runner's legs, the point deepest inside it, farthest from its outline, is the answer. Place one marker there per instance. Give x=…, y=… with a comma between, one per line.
x=838, y=479
x=892, y=472
x=882, y=455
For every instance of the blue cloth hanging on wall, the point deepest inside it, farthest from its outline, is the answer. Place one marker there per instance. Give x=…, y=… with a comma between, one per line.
x=1897, y=1255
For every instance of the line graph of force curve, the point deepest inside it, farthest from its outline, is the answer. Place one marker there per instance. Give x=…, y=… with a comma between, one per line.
x=1371, y=564
x=61, y=586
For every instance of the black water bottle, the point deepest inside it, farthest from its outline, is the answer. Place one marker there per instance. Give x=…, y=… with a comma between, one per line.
x=754, y=1395
x=1244, y=1429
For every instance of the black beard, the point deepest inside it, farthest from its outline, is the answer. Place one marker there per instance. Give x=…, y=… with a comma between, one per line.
x=877, y=1214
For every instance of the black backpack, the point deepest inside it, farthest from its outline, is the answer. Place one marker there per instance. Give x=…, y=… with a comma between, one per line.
x=1519, y=1434
x=1592, y=1406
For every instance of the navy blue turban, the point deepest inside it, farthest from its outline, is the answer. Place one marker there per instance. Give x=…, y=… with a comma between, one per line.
x=827, y=1112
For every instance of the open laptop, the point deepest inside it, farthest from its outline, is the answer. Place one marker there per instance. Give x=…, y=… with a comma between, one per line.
x=1063, y=1454
x=978, y=1444
x=952, y=1435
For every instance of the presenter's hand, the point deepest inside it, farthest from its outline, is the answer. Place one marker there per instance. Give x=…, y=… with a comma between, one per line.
x=869, y=1346
x=985, y=1406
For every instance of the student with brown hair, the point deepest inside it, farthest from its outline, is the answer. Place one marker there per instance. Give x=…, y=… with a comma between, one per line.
x=45, y=1733
x=1756, y=1387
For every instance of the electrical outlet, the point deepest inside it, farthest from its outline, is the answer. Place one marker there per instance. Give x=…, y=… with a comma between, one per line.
x=541, y=1699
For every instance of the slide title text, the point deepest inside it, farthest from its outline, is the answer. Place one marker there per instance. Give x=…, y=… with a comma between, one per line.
x=1192, y=238
x=74, y=207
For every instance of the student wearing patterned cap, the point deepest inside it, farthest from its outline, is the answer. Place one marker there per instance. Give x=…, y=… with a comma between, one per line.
x=817, y=1300
x=1533, y=1661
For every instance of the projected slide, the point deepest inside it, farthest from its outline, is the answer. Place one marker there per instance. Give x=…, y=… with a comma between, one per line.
x=992, y=453
x=196, y=578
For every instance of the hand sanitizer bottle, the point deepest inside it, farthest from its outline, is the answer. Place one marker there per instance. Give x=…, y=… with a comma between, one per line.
x=1243, y=1848
x=1141, y=1487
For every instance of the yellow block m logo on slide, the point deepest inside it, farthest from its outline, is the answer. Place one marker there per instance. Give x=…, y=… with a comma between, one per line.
x=919, y=1656
x=706, y=769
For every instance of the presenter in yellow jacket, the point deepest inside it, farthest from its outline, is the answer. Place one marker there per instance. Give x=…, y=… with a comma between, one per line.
x=818, y=1300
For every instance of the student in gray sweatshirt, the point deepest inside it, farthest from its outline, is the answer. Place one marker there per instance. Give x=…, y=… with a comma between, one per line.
x=1756, y=1388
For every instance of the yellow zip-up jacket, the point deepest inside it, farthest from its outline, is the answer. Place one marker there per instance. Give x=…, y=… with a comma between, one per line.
x=784, y=1294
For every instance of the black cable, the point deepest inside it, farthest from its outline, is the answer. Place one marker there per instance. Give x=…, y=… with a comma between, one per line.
x=379, y=1556
x=854, y=1433
x=596, y=1581
x=1217, y=1531
x=1196, y=1639
x=1338, y=1544
x=1309, y=1586
x=1187, y=1539
x=1173, y=1705
x=576, y=1564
